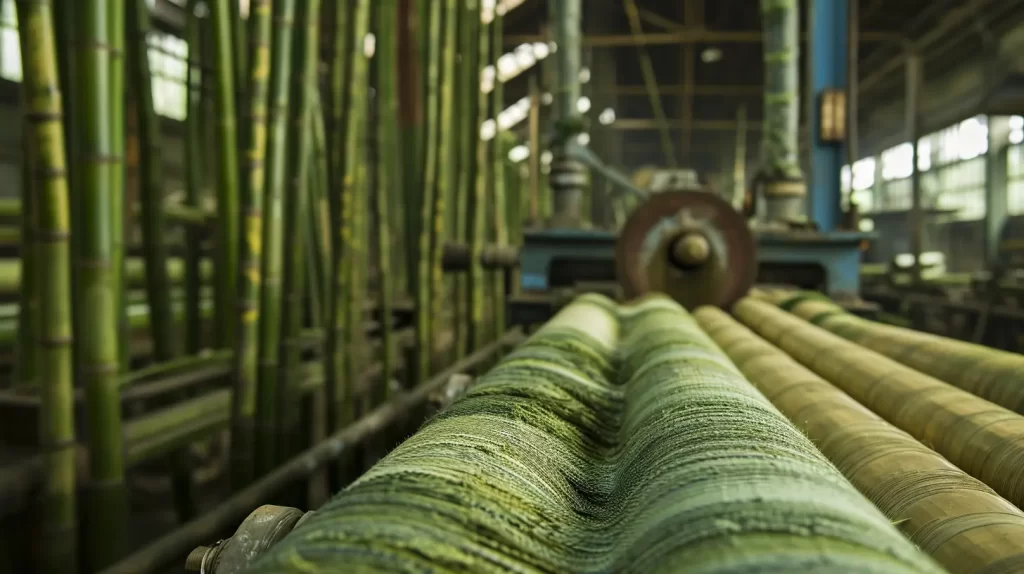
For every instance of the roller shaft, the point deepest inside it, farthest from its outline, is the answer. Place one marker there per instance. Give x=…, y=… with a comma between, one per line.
x=961, y=522
x=981, y=438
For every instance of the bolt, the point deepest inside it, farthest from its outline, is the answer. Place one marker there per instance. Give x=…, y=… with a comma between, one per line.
x=691, y=249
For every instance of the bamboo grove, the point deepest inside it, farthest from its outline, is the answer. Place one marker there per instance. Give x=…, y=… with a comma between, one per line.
x=331, y=150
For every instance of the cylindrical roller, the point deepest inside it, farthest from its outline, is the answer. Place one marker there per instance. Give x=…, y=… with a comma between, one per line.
x=617, y=439
x=961, y=522
x=989, y=373
x=983, y=439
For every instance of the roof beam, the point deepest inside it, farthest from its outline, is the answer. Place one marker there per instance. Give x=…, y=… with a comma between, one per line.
x=696, y=90
x=646, y=124
x=690, y=36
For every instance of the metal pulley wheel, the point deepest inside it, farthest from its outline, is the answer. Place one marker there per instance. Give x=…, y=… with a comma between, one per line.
x=692, y=245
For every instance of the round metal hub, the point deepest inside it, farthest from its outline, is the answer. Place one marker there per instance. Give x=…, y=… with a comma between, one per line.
x=703, y=209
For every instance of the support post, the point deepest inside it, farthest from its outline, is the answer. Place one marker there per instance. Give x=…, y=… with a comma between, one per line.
x=913, y=129
x=996, y=206
x=567, y=175
x=829, y=51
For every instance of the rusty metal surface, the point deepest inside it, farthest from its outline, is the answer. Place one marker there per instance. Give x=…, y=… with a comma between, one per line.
x=709, y=211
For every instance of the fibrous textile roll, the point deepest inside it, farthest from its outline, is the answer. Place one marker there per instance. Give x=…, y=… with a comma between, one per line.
x=991, y=374
x=617, y=439
x=981, y=438
x=962, y=523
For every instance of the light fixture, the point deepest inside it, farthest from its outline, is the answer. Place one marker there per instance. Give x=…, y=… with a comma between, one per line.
x=583, y=105
x=547, y=98
x=545, y=157
x=488, y=130
x=584, y=75
x=540, y=50
x=583, y=139
x=607, y=117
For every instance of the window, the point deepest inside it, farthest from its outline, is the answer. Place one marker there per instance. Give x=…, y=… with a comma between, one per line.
x=1015, y=178
x=962, y=188
x=10, y=51
x=168, y=57
x=898, y=162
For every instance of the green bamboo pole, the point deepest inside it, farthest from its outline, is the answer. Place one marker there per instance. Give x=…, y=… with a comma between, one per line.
x=447, y=158
x=295, y=214
x=410, y=93
x=28, y=297
x=50, y=233
x=244, y=401
x=469, y=87
x=347, y=167
x=239, y=46
x=498, y=157
x=272, y=238
x=319, y=208
x=117, y=173
x=193, y=180
x=355, y=201
x=334, y=350
x=424, y=277
x=97, y=329
x=153, y=226
x=227, y=167
x=478, y=205
x=388, y=173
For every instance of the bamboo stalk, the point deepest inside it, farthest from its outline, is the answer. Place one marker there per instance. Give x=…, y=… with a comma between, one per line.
x=410, y=94
x=498, y=199
x=478, y=205
x=227, y=167
x=272, y=238
x=334, y=351
x=974, y=434
x=153, y=226
x=388, y=174
x=923, y=493
x=469, y=86
x=28, y=297
x=424, y=276
x=49, y=229
x=117, y=173
x=193, y=180
x=239, y=54
x=350, y=179
x=97, y=328
x=244, y=403
x=295, y=214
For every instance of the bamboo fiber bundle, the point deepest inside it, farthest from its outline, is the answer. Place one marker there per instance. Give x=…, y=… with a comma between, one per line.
x=989, y=373
x=646, y=456
x=983, y=439
x=961, y=522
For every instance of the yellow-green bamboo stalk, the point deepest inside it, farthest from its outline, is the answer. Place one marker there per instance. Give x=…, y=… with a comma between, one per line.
x=498, y=155
x=194, y=159
x=295, y=218
x=267, y=411
x=478, y=206
x=388, y=176
x=28, y=297
x=49, y=224
x=243, y=405
x=106, y=516
x=227, y=168
x=117, y=171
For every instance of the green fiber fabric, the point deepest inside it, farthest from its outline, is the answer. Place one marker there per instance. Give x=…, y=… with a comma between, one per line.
x=617, y=439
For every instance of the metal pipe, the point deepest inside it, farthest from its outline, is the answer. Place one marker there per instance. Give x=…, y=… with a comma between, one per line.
x=179, y=543
x=567, y=175
x=985, y=443
x=912, y=484
x=783, y=183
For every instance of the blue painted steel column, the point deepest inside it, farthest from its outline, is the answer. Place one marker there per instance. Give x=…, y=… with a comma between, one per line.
x=828, y=66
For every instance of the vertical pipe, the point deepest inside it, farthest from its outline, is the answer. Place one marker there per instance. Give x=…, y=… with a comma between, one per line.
x=852, y=83
x=49, y=224
x=295, y=214
x=739, y=170
x=913, y=127
x=447, y=159
x=272, y=239
x=107, y=508
x=246, y=370
x=567, y=177
x=388, y=176
x=784, y=187
x=828, y=63
x=193, y=180
x=227, y=168
x=411, y=122
x=28, y=292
